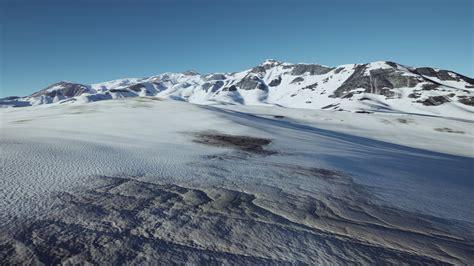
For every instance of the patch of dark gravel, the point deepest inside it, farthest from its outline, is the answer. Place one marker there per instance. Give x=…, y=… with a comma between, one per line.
x=448, y=130
x=243, y=143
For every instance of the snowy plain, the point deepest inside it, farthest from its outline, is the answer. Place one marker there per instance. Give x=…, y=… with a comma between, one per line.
x=399, y=182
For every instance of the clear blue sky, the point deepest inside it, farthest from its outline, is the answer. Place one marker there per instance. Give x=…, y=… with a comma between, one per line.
x=90, y=41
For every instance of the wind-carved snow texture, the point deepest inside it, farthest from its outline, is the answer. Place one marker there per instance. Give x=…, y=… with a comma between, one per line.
x=126, y=220
x=146, y=180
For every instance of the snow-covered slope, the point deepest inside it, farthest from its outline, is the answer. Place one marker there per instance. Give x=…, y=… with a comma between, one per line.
x=147, y=179
x=377, y=86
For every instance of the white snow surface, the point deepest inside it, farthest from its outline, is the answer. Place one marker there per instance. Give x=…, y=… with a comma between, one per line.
x=413, y=162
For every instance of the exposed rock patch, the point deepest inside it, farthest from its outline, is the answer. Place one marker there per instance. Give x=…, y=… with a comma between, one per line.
x=214, y=86
x=434, y=100
x=137, y=87
x=275, y=82
x=216, y=77
x=251, y=82
x=312, y=69
x=379, y=81
x=467, y=100
x=296, y=80
x=442, y=74
x=258, y=70
x=310, y=87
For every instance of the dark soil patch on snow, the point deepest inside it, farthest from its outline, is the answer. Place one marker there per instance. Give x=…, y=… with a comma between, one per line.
x=243, y=143
x=448, y=130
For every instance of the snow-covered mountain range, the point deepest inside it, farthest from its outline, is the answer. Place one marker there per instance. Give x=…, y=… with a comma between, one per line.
x=376, y=86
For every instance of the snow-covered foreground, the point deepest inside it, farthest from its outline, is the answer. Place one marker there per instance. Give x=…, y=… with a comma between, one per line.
x=145, y=179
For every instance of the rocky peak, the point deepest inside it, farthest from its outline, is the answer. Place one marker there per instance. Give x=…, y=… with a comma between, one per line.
x=269, y=63
x=191, y=73
x=63, y=88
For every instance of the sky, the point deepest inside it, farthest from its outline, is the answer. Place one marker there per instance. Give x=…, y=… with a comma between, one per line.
x=85, y=41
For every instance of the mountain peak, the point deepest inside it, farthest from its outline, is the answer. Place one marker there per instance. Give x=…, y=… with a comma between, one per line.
x=191, y=72
x=270, y=61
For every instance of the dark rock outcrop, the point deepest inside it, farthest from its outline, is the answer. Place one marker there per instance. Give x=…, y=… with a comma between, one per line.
x=467, y=100
x=275, y=82
x=99, y=97
x=356, y=80
x=442, y=74
x=392, y=64
x=159, y=86
x=310, y=87
x=217, y=85
x=206, y=86
x=231, y=88
x=258, y=70
x=296, y=80
x=434, y=100
x=301, y=69
x=137, y=87
x=430, y=86
x=338, y=70
x=378, y=81
x=216, y=77
x=251, y=82
x=119, y=90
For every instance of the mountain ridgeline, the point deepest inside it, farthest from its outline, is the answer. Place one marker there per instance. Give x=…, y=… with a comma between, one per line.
x=377, y=86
